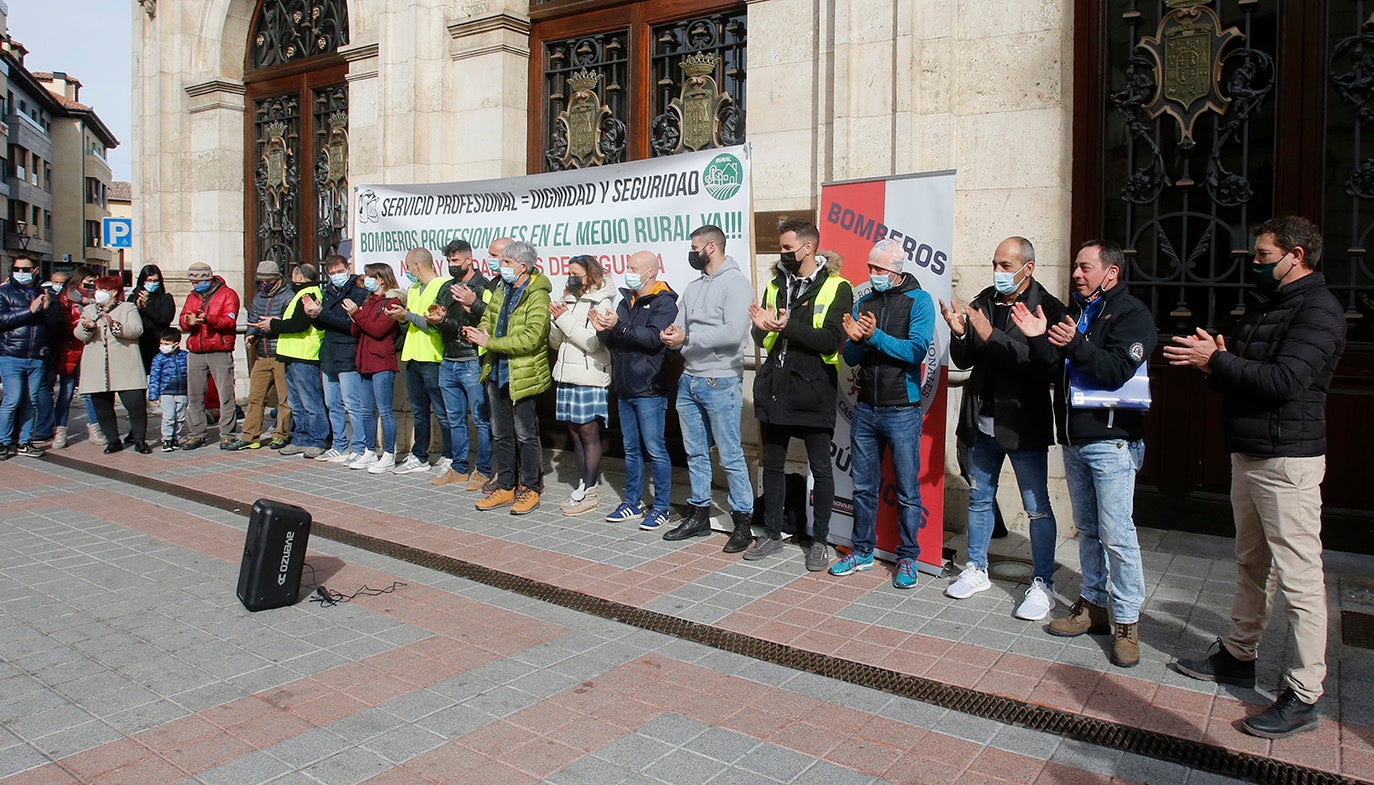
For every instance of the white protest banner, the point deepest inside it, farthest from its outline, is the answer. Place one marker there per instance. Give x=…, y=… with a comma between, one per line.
x=608, y=212
x=917, y=211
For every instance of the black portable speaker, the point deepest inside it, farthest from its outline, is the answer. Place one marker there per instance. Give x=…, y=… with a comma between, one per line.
x=273, y=555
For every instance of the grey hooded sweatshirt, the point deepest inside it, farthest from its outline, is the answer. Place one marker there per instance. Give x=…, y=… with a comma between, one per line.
x=714, y=315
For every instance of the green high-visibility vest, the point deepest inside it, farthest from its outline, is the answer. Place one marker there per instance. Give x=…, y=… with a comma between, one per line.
x=421, y=346
x=303, y=345
x=824, y=298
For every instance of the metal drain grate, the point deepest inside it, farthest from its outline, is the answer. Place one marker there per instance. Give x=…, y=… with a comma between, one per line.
x=1357, y=629
x=1187, y=752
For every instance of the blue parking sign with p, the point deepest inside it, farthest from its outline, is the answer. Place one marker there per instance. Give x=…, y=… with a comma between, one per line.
x=119, y=232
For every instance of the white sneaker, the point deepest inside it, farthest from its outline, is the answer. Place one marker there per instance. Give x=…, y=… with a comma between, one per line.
x=59, y=437
x=331, y=456
x=1038, y=603
x=578, y=493
x=411, y=465
x=385, y=463
x=363, y=461
x=971, y=581
x=443, y=464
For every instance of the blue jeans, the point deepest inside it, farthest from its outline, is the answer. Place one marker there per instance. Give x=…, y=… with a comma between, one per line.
x=22, y=379
x=66, y=390
x=375, y=394
x=1032, y=476
x=1101, y=478
x=309, y=425
x=343, y=400
x=641, y=426
x=422, y=386
x=709, y=411
x=460, y=381
x=871, y=429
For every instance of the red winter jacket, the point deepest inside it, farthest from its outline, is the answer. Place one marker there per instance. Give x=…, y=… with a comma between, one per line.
x=376, y=333
x=67, y=350
x=220, y=307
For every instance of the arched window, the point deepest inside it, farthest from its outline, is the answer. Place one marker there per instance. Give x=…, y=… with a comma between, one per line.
x=297, y=146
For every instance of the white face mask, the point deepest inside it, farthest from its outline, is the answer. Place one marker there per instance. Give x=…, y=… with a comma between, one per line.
x=103, y=296
x=165, y=349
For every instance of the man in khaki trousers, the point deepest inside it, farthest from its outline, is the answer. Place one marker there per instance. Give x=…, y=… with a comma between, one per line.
x=266, y=373
x=1275, y=379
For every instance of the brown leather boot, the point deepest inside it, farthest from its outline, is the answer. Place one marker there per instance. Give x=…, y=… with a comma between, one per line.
x=1084, y=617
x=526, y=499
x=1126, y=645
x=499, y=498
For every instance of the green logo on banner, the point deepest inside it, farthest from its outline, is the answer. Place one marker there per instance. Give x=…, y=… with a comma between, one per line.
x=723, y=176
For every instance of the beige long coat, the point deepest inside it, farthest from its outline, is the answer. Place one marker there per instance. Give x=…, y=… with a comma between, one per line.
x=111, y=360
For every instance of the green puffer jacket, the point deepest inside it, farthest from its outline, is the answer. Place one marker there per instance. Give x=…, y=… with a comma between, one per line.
x=526, y=342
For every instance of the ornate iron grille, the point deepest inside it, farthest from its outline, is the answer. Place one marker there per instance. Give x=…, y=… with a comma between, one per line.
x=289, y=30
x=586, y=81
x=276, y=178
x=1190, y=158
x=331, y=168
x=698, y=93
x=1349, y=218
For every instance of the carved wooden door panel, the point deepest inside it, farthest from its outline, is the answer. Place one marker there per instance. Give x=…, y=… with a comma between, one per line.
x=1201, y=120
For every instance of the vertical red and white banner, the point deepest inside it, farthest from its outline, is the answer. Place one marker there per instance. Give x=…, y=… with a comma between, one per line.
x=918, y=212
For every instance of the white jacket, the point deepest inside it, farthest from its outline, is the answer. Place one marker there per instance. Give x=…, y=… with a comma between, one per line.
x=582, y=359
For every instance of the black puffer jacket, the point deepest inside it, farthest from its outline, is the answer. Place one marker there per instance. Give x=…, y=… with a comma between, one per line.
x=1120, y=337
x=339, y=349
x=641, y=366
x=796, y=386
x=456, y=317
x=1276, y=372
x=25, y=334
x=1022, y=414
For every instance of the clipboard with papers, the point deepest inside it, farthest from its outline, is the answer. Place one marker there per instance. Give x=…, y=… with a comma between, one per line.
x=1086, y=392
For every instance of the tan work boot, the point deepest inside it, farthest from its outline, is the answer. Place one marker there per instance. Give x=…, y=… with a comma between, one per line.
x=1126, y=645
x=526, y=499
x=475, y=481
x=448, y=477
x=499, y=498
x=1084, y=617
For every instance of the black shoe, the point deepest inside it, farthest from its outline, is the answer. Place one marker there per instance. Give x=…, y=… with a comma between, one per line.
x=1288, y=715
x=31, y=450
x=743, y=535
x=113, y=447
x=169, y=445
x=129, y=439
x=7, y=451
x=698, y=525
x=1220, y=666
x=141, y=447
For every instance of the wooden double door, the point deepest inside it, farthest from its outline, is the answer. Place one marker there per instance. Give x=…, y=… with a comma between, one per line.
x=1195, y=122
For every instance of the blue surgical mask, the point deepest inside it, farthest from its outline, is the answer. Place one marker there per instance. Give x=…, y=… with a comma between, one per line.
x=339, y=279
x=634, y=281
x=151, y=286
x=203, y=287
x=23, y=279
x=371, y=284
x=881, y=282
x=508, y=274
x=411, y=277
x=1005, y=283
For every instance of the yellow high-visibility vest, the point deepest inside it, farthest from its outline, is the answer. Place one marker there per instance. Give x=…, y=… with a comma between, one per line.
x=303, y=345
x=824, y=298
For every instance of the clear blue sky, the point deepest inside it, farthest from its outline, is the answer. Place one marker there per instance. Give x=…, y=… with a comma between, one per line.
x=90, y=40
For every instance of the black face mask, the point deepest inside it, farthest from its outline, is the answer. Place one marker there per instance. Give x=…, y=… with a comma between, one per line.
x=456, y=271
x=296, y=287
x=788, y=261
x=697, y=260
x=574, y=283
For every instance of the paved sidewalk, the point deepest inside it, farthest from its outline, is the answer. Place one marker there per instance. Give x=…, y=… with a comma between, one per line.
x=973, y=643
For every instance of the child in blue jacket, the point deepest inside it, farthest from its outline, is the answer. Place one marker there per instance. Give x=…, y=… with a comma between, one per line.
x=167, y=383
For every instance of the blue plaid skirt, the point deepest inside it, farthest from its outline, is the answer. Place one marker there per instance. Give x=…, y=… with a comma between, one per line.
x=576, y=403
